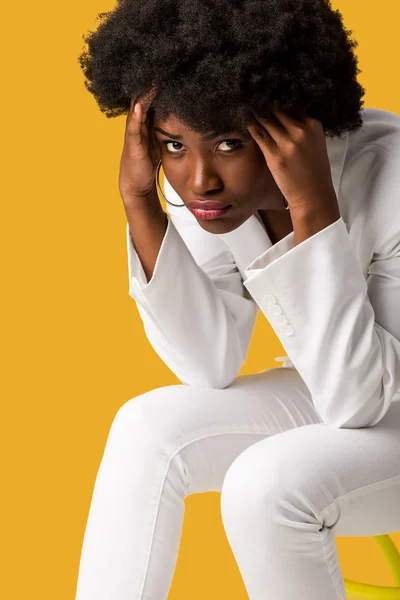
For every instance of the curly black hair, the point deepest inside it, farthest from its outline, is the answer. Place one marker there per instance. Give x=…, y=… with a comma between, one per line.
x=215, y=61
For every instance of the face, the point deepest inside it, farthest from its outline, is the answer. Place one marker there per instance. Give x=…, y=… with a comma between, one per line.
x=228, y=169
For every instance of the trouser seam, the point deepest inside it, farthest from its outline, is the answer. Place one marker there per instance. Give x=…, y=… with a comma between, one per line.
x=334, y=579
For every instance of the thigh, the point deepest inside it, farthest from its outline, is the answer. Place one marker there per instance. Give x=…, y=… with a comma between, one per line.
x=202, y=430
x=366, y=468
x=271, y=401
x=346, y=479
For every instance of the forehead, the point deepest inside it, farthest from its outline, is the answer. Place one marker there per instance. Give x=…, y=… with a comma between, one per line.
x=174, y=125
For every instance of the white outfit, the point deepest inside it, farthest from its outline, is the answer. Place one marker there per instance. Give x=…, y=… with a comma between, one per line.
x=300, y=454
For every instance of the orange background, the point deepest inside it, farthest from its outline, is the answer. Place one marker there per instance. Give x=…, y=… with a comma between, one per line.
x=74, y=349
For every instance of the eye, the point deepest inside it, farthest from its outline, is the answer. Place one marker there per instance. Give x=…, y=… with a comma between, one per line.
x=169, y=151
x=238, y=144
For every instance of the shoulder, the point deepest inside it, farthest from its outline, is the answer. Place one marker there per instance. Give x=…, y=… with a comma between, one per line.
x=369, y=195
x=373, y=152
x=380, y=132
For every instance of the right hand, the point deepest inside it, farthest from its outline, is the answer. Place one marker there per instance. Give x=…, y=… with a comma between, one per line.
x=140, y=155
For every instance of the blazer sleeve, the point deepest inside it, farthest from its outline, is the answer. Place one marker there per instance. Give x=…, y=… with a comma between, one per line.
x=196, y=313
x=340, y=329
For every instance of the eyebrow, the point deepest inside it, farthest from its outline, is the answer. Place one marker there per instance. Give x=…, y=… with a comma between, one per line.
x=206, y=138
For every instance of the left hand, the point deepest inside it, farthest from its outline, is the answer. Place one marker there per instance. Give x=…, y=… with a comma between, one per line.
x=297, y=158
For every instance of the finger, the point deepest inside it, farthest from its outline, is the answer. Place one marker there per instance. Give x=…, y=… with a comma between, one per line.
x=287, y=121
x=297, y=127
x=262, y=137
x=134, y=122
x=131, y=109
x=148, y=97
x=275, y=128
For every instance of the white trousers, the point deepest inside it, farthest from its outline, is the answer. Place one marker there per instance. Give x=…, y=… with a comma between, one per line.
x=288, y=482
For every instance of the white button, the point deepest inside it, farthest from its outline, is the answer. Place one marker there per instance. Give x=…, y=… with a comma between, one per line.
x=274, y=309
x=281, y=320
x=269, y=299
x=288, y=330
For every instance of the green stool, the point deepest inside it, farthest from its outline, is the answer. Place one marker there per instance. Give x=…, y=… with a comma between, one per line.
x=377, y=592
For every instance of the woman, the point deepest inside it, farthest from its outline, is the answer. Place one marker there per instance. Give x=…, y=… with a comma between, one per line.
x=254, y=105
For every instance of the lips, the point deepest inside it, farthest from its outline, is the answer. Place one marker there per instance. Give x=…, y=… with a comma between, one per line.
x=206, y=205
x=210, y=215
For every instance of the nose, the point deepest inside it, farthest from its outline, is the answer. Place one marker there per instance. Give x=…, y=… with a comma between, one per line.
x=203, y=179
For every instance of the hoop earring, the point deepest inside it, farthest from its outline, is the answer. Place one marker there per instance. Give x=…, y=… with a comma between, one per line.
x=159, y=187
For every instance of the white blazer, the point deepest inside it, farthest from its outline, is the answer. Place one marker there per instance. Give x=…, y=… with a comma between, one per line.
x=333, y=300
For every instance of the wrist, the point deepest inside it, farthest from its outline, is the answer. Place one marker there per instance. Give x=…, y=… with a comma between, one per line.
x=146, y=203
x=308, y=222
